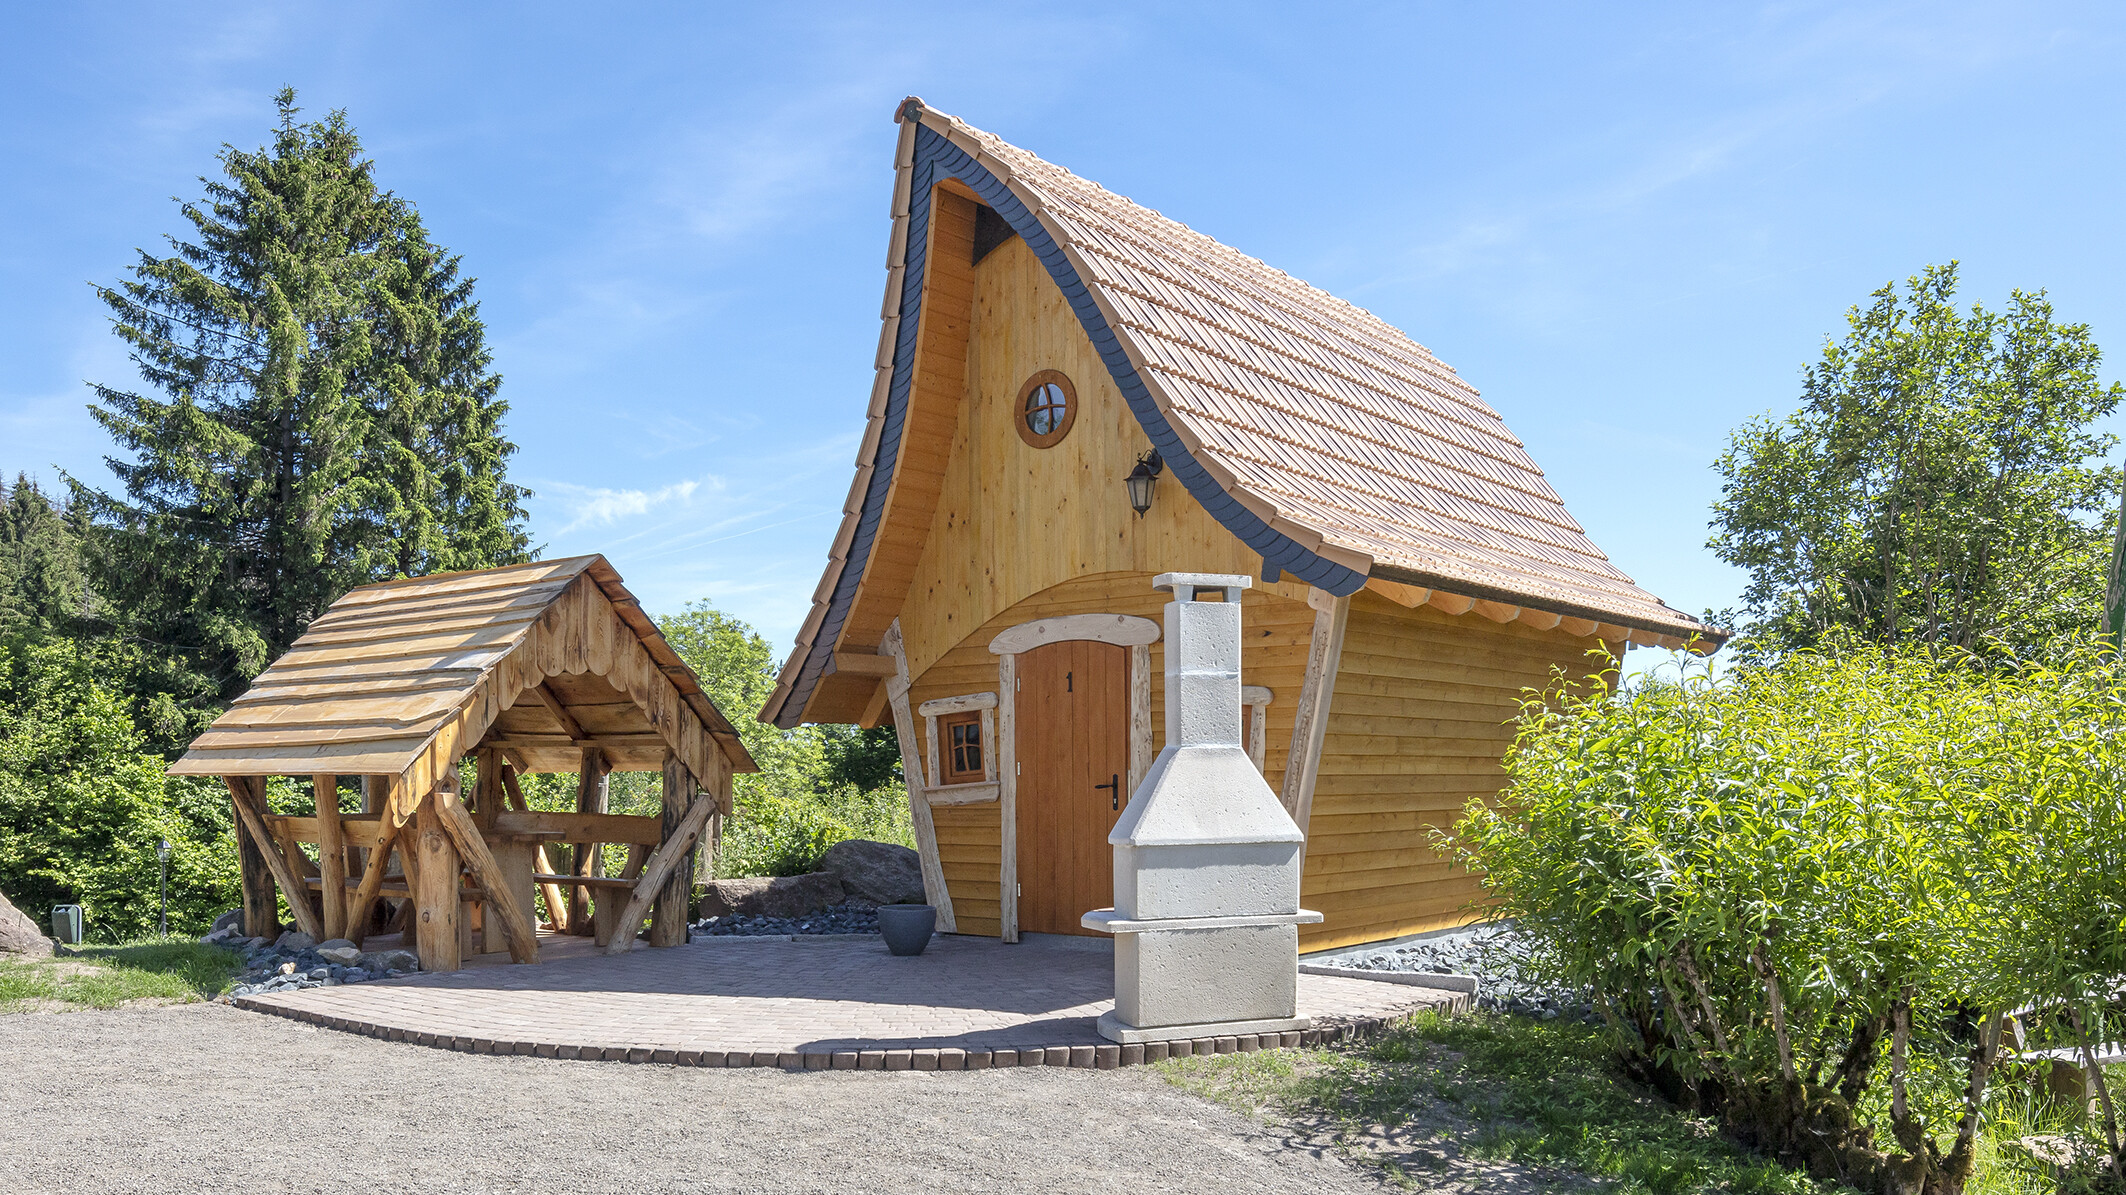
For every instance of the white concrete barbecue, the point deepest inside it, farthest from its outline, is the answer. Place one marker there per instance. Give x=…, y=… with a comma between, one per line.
x=1206, y=916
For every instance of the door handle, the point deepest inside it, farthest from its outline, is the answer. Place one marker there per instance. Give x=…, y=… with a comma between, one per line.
x=1114, y=785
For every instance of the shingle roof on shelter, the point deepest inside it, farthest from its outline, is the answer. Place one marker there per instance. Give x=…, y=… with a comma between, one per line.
x=392, y=669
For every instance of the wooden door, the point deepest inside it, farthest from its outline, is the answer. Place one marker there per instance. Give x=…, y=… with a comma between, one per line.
x=1073, y=753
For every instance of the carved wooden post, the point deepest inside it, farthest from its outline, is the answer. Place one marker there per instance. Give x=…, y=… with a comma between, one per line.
x=668, y=917
x=261, y=915
x=591, y=792
x=435, y=892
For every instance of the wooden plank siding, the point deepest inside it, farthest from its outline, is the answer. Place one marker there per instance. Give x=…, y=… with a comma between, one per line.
x=1010, y=521
x=1420, y=721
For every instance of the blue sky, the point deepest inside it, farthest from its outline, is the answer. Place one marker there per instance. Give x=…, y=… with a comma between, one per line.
x=1629, y=226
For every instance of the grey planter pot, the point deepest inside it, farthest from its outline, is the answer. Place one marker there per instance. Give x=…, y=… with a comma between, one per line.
x=907, y=928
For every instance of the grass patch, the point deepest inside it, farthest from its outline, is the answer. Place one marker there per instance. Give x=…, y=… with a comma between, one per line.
x=172, y=969
x=1490, y=1099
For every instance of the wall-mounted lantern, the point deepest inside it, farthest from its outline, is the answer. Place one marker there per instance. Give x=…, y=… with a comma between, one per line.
x=1142, y=480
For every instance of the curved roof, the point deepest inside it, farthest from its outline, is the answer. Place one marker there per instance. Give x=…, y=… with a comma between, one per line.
x=402, y=678
x=1319, y=434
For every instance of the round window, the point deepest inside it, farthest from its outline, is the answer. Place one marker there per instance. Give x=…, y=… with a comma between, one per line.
x=1046, y=409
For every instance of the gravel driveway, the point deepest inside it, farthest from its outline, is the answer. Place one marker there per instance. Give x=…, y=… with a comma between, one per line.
x=208, y=1098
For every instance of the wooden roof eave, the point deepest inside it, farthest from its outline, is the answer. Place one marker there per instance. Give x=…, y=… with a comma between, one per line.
x=772, y=711
x=1684, y=627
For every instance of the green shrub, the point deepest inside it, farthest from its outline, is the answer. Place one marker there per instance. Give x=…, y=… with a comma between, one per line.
x=83, y=804
x=1806, y=898
x=776, y=835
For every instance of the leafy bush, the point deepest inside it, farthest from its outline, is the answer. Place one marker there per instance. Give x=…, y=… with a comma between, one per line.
x=83, y=804
x=771, y=835
x=1772, y=883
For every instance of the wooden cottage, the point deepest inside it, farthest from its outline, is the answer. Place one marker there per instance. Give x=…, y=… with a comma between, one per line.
x=546, y=667
x=990, y=587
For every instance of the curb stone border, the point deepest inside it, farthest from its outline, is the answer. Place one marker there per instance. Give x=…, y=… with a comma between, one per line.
x=1106, y=1056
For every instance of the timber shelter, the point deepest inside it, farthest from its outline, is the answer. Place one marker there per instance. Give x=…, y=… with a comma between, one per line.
x=543, y=667
x=1075, y=393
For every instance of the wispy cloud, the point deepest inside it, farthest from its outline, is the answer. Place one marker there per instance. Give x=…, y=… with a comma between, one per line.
x=597, y=506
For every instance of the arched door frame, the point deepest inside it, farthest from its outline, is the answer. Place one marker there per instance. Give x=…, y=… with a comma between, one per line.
x=1122, y=630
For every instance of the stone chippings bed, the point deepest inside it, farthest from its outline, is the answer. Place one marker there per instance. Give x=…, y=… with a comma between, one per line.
x=1499, y=957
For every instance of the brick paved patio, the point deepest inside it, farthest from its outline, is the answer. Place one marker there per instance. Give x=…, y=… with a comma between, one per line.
x=841, y=1003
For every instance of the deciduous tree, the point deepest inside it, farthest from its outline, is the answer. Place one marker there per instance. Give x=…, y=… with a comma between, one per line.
x=1943, y=482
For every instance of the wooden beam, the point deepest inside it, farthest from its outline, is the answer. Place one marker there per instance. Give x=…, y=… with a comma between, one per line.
x=862, y=664
x=581, y=827
x=365, y=894
x=977, y=793
x=1007, y=748
x=502, y=903
x=292, y=888
x=556, y=903
x=1310, y=722
x=957, y=705
x=1497, y=611
x=591, y=796
x=668, y=918
x=261, y=918
x=569, y=726
x=926, y=835
x=1578, y=627
x=434, y=881
x=331, y=853
x=659, y=868
x=1451, y=603
x=1140, y=715
x=874, y=708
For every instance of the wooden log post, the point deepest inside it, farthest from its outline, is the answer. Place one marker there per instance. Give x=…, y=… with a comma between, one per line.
x=592, y=789
x=926, y=838
x=435, y=890
x=250, y=796
x=331, y=853
x=261, y=917
x=668, y=918
x=365, y=893
x=1310, y=722
x=556, y=903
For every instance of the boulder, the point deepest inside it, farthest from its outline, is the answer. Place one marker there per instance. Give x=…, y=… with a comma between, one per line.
x=231, y=922
x=20, y=935
x=294, y=941
x=339, y=950
x=762, y=896
x=378, y=962
x=879, y=872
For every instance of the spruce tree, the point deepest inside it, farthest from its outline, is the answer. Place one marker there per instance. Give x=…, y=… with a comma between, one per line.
x=319, y=413
x=43, y=586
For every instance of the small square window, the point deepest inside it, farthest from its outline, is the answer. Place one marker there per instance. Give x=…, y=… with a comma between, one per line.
x=962, y=740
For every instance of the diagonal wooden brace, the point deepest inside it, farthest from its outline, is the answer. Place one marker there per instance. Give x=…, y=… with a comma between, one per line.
x=296, y=892
x=365, y=893
x=656, y=872
x=465, y=833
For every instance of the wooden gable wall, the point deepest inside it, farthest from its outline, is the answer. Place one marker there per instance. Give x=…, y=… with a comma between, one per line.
x=1010, y=520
